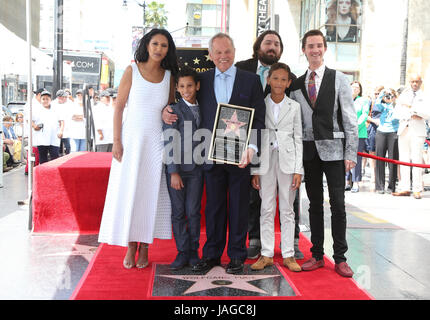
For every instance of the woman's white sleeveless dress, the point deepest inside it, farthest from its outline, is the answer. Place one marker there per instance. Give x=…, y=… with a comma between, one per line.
x=137, y=206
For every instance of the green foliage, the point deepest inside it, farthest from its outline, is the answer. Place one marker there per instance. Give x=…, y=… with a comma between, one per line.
x=155, y=15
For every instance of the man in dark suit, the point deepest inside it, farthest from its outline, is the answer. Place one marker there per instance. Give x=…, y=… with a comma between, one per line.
x=268, y=49
x=227, y=185
x=330, y=144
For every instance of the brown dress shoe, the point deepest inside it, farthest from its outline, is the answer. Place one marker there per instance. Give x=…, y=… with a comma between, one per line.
x=312, y=264
x=262, y=262
x=344, y=270
x=401, y=194
x=417, y=195
x=291, y=264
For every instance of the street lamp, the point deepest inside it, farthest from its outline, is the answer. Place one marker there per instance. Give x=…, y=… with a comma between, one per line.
x=142, y=5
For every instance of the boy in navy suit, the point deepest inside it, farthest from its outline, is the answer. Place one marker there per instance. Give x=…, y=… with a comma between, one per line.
x=184, y=175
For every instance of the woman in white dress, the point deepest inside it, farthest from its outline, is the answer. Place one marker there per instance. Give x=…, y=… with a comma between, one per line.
x=137, y=206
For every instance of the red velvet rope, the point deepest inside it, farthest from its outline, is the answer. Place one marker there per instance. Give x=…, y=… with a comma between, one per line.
x=366, y=155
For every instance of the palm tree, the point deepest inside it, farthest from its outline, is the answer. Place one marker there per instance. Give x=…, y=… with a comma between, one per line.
x=155, y=16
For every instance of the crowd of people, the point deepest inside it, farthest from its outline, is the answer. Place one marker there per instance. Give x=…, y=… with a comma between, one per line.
x=303, y=128
x=58, y=126
x=392, y=124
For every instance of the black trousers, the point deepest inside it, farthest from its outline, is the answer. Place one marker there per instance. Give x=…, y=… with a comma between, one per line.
x=335, y=175
x=255, y=211
x=386, y=143
x=43, y=153
x=223, y=180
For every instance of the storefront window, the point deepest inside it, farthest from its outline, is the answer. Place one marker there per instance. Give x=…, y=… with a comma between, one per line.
x=340, y=21
x=204, y=19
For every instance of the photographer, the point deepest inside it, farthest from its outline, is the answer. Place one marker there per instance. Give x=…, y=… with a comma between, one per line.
x=386, y=140
x=48, y=126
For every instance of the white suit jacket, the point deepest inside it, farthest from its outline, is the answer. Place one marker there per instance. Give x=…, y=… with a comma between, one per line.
x=287, y=131
x=406, y=107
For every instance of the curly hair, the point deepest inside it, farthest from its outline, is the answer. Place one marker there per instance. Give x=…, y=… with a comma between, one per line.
x=170, y=61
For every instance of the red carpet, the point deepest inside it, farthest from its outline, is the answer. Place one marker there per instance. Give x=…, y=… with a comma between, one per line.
x=106, y=279
x=69, y=193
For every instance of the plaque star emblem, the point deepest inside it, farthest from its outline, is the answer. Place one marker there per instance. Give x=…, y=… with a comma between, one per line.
x=85, y=251
x=233, y=124
x=207, y=57
x=196, y=61
x=217, y=277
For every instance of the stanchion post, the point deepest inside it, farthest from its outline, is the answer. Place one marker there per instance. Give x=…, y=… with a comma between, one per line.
x=30, y=158
x=1, y=156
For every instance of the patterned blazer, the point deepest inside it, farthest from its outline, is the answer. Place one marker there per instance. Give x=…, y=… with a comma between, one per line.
x=332, y=123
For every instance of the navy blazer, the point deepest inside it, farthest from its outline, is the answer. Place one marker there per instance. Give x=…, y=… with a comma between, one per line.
x=186, y=126
x=247, y=92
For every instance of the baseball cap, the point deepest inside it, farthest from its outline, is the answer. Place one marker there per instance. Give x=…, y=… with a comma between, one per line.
x=61, y=93
x=39, y=91
x=45, y=93
x=105, y=93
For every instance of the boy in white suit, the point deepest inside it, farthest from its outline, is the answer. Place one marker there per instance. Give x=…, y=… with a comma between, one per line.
x=281, y=168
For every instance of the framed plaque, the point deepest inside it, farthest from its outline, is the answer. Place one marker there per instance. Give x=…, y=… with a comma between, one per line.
x=231, y=133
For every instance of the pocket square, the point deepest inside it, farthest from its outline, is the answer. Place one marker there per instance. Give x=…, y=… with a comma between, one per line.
x=242, y=96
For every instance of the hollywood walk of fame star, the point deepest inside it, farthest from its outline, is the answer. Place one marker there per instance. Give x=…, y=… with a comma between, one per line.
x=85, y=251
x=233, y=124
x=196, y=61
x=217, y=277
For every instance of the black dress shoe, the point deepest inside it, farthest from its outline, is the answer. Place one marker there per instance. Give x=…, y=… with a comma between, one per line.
x=235, y=266
x=206, y=264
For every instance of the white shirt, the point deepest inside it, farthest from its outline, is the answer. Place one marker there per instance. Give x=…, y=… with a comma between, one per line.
x=48, y=135
x=103, y=120
x=318, y=78
x=275, y=109
x=76, y=128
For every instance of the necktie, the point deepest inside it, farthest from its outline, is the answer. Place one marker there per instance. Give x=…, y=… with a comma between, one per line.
x=222, y=92
x=312, y=89
x=196, y=112
x=263, y=69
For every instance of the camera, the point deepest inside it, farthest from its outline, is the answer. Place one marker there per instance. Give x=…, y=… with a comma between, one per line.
x=389, y=95
x=40, y=125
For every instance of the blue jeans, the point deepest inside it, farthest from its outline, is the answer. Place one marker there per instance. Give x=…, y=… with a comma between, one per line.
x=78, y=145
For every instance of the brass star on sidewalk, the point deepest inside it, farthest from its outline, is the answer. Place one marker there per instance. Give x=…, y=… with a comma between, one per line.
x=85, y=251
x=217, y=277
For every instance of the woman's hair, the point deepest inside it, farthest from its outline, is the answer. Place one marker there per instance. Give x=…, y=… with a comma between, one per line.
x=280, y=65
x=361, y=88
x=7, y=119
x=170, y=60
x=17, y=115
x=257, y=43
x=332, y=14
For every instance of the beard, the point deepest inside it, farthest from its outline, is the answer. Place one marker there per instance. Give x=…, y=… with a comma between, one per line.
x=268, y=59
